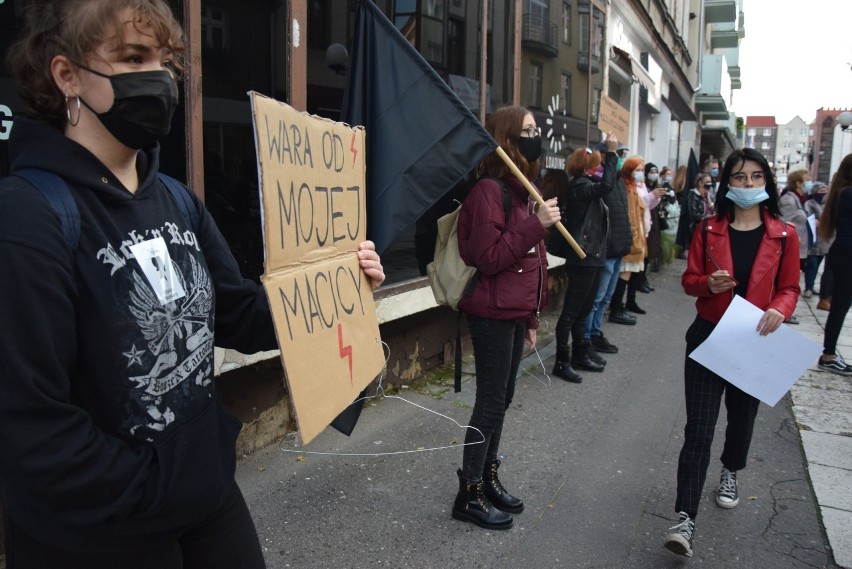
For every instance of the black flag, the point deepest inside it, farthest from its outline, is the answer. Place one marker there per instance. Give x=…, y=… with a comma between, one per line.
x=421, y=139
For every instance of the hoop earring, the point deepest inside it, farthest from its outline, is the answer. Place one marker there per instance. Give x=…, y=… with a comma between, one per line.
x=68, y=111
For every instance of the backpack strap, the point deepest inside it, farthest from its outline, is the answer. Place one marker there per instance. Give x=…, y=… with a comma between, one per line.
x=180, y=193
x=58, y=195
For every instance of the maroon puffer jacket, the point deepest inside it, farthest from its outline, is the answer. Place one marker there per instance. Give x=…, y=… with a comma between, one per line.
x=510, y=256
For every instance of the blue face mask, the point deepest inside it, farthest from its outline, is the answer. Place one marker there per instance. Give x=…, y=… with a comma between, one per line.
x=714, y=172
x=747, y=198
x=809, y=185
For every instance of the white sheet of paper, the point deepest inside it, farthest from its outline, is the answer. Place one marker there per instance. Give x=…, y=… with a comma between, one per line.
x=765, y=367
x=812, y=224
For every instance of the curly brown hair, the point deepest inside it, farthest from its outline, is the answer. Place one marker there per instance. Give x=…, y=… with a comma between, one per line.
x=505, y=125
x=75, y=29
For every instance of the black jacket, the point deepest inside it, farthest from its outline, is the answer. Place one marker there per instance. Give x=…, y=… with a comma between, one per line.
x=585, y=216
x=112, y=433
x=620, y=237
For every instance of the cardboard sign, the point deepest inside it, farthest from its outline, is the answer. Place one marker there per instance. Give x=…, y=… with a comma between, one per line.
x=313, y=181
x=613, y=118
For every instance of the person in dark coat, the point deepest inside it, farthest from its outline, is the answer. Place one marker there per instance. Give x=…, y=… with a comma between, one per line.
x=586, y=218
x=618, y=242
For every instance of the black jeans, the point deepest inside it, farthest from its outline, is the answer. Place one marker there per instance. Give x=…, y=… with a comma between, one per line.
x=497, y=349
x=224, y=540
x=840, y=262
x=704, y=391
x=579, y=298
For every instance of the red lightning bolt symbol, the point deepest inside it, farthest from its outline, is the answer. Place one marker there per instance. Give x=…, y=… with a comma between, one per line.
x=354, y=150
x=345, y=351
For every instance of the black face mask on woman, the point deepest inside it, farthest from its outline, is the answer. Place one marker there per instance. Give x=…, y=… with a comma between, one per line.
x=530, y=147
x=142, y=109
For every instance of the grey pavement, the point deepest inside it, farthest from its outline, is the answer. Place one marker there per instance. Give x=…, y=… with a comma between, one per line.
x=822, y=406
x=595, y=464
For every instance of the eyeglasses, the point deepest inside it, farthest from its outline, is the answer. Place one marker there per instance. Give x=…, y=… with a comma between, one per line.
x=529, y=131
x=740, y=179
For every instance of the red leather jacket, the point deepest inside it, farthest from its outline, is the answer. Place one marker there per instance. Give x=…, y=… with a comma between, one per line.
x=510, y=256
x=761, y=289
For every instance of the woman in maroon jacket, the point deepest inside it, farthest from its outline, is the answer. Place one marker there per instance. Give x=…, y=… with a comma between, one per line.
x=502, y=310
x=745, y=249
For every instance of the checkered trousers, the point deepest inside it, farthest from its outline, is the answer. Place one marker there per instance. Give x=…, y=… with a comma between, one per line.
x=704, y=390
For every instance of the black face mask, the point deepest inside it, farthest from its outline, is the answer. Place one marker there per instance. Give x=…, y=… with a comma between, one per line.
x=142, y=109
x=530, y=148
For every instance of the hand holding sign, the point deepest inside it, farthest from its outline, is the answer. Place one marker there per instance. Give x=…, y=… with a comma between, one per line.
x=320, y=270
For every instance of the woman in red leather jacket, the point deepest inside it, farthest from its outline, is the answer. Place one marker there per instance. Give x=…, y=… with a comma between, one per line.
x=745, y=249
x=502, y=311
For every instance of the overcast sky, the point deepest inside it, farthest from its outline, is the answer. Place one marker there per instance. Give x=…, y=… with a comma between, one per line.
x=795, y=58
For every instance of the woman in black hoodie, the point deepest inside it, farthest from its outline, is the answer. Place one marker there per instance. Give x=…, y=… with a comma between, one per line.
x=585, y=216
x=115, y=449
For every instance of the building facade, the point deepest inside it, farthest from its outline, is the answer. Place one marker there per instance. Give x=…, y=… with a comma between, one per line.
x=791, y=145
x=828, y=144
x=761, y=133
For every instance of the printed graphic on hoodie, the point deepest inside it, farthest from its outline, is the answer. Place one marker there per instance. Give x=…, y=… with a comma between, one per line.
x=171, y=311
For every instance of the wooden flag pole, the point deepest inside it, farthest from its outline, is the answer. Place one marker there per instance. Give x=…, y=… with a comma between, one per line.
x=539, y=200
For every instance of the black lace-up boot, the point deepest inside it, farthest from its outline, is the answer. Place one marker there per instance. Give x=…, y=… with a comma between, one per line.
x=495, y=492
x=472, y=505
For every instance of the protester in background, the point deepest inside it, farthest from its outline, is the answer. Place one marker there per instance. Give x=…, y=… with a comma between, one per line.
x=633, y=175
x=654, y=193
x=585, y=216
x=697, y=204
x=679, y=183
x=814, y=207
x=116, y=449
x=669, y=209
x=711, y=168
x=502, y=310
x=836, y=223
x=681, y=191
x=618, y=241
x=792, y=211
x=737, y=251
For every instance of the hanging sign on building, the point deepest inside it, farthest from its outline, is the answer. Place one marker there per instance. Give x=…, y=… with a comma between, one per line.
x=613, y=118
x=313, y=180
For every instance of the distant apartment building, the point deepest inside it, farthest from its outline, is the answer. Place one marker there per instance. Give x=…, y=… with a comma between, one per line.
x=828, y=144
x=761, y=134
x=791, y=145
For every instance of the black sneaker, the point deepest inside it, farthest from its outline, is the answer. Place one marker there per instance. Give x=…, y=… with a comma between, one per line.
x=603, y=346
x=727, y=496
x=680, y=541
x=837, y=365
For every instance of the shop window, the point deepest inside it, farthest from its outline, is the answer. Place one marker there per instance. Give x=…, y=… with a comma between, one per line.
x=535, y=85
x=214, y=30
x=565, y=93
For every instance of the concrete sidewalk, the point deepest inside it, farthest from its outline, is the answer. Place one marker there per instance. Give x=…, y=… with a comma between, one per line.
x=822, y=406
x=595, y=464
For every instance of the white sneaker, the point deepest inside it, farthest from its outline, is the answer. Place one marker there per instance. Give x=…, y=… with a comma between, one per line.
x=727, y=496
x=680, y=541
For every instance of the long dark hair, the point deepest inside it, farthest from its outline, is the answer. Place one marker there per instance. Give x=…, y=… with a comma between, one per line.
x=734, y=164
x=841, y=182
